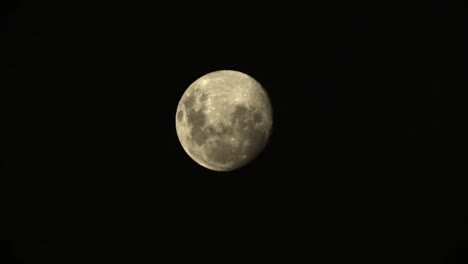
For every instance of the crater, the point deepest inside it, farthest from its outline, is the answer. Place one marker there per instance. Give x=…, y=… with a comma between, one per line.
x=180, y=115
x=220, y=130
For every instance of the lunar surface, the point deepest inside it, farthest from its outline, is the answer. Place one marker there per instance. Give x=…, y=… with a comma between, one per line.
x=224, y=120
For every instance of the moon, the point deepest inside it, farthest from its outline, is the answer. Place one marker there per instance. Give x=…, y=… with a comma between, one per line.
x=224, y=120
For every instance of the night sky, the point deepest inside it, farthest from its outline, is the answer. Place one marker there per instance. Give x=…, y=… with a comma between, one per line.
x=359, y=166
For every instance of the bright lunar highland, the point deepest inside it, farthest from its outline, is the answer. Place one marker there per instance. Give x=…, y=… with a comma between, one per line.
x=224, y=120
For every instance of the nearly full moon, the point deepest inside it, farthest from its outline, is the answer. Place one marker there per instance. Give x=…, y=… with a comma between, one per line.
x=224, y=120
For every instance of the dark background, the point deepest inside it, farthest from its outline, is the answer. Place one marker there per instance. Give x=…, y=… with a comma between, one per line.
x=359, y=166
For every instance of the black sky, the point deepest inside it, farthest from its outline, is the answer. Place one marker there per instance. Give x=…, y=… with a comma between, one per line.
x=359, y=155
